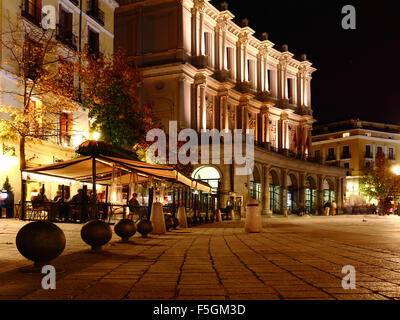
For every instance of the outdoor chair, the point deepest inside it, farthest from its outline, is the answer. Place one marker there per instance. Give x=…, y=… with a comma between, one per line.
x=39, y=211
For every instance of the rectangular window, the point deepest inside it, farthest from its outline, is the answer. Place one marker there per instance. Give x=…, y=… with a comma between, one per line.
x=368, y=153
x=65, y=28
x=269, y=80
x=391, y=154
x=33, y=58
x=251, y=73
x=346, y=152
x=95, y=12
x=208, y=48
x=317, y=154
x=230, y=60
x=65, y=128
x=379, y=149
x=93, y=42
x=32, y=10
x=331, y=154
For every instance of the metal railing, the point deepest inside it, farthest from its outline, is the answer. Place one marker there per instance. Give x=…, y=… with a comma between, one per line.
x=66, y=36
x=95, y=12
x=32, y=12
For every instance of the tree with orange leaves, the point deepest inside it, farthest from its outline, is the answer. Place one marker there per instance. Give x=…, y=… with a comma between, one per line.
x=110, y=93
x=381, y=183
x=42, y=83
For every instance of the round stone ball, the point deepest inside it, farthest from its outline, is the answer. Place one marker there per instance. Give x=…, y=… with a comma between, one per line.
x=144, y=227
x=125, y=229
x=40, y=241
x=96, y=233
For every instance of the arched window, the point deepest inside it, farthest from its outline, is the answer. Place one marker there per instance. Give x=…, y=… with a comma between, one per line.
x=208, y=174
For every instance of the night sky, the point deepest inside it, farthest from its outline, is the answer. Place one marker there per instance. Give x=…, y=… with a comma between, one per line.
x=357, y=69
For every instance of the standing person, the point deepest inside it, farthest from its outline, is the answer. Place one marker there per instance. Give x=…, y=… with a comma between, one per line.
x=327, y=207
x=333, y=207
x=373, y=208
x=301, y=208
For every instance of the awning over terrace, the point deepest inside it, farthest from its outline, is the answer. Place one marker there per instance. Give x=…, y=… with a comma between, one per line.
x=101, y=166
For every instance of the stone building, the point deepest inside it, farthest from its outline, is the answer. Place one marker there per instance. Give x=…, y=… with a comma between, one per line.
x=205, y=71
x=79, y=24
x=353, y=145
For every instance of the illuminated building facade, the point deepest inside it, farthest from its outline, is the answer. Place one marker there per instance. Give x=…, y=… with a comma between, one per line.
x=205, y=71
x=353, y=145
x=79, y=24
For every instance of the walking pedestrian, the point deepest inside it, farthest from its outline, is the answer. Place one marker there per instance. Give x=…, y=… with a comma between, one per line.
x=333, y=207
x=327, y=207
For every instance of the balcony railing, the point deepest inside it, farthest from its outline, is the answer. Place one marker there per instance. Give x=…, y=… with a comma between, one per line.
x=95, y=12
x=32, y=12
x=66, y=36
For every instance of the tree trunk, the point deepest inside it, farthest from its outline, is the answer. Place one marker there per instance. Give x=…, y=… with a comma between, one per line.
x=22, y=160
x=22, y=166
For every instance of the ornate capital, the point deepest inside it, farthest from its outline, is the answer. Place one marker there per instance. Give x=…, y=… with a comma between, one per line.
x=243, y=38
x=199, y=5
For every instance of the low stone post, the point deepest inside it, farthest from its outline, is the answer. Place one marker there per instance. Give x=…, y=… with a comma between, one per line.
x=253, y=217
x=157, y=219
x=182, y=217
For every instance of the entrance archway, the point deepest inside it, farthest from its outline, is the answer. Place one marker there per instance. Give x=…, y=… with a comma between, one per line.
x=329, y=190
x=208, y=174
x=311, y=195
x=274, y=191
x=255, y=185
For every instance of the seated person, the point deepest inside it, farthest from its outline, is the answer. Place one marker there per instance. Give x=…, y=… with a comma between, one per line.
x=134, y=204
x=58, y=196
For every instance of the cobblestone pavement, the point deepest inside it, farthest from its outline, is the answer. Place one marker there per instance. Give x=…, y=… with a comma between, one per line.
x=293, y=258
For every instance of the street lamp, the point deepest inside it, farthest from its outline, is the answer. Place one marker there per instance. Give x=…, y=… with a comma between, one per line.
x=396, y=170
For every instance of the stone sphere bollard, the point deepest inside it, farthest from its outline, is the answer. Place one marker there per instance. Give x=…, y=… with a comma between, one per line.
x=41, y=242
x=96, y=233
x=183, y=223
x=125, y=229
x=253, y=217
x=157, y=218
x=144, y=227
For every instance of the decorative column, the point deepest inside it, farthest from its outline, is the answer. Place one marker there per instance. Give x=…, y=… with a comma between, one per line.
x=203, y=111
x=265, y=200
x=283, y=193
x=320, y=195
x=182, y=111
x=302, y=188
x=309, y=137
x=201, y=36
